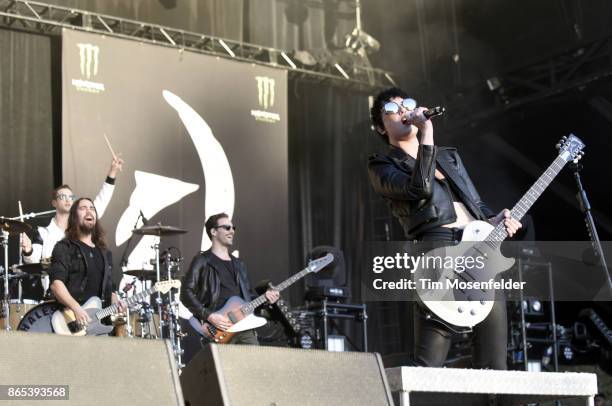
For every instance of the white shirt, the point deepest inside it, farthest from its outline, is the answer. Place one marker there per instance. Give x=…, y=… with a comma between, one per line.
x=51, y=234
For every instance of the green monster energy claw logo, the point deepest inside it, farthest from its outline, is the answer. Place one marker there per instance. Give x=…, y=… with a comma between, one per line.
x=89, y=55
x=265, y=91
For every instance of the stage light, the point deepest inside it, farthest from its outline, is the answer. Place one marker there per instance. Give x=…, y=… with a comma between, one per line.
x=227, y=49
x=360, y=41
x=339, y=68
x=533, y=307
x=305, y=58
x=306, y=341
x=289, y=61
x=335, y=343
x=568, y=353
x=493, y=83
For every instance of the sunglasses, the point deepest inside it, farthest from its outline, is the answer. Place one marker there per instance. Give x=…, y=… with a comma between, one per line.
x=392, y=107
x=66, y=197
x=226, y=227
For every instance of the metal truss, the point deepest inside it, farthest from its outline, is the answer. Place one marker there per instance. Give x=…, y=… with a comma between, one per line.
x=532, y=82
x=50, y=20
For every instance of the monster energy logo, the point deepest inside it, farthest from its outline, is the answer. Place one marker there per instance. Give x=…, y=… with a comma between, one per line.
x=89, y=55
x=265, y=91
x=89, y=58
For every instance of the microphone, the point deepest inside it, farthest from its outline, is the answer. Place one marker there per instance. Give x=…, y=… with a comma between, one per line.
x=436, y=111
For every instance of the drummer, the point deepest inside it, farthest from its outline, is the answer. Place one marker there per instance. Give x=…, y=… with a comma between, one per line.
x=44, y=239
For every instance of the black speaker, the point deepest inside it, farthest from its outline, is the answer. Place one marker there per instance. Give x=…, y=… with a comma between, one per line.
x=251, y=375
x=97, y=370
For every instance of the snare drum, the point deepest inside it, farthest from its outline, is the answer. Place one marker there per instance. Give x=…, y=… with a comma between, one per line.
x=17, y=311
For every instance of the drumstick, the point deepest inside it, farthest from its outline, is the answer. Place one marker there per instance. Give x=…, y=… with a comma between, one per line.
x=111, y=148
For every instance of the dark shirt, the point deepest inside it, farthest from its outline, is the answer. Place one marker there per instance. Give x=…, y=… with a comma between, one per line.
x=70, y=264
x=450, y=189
x=95, y=270
x=228, y=283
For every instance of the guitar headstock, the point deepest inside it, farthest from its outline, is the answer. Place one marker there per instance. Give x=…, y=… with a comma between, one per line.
x=317, y=264
x=165, y=286
x=570, y=148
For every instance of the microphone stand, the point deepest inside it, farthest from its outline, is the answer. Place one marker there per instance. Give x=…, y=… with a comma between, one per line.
x=124, y=260
x=585, y=207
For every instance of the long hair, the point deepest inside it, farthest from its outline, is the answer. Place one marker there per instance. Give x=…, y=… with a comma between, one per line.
x=98, y=236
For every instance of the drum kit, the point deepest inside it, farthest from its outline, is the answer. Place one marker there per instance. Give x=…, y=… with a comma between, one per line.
x=156, y=320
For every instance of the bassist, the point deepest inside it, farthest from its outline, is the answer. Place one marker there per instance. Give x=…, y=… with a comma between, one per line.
x=81, y=266
x=214, y=276
x=430, y=193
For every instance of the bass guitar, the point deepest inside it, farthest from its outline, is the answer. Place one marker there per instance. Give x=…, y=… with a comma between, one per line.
x=240, y=313
x=64, y=322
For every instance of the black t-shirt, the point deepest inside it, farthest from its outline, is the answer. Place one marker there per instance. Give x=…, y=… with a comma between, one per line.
x=95, y=271
x=228, y=281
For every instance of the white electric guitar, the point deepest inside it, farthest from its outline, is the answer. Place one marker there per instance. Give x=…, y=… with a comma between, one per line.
x=462, y=303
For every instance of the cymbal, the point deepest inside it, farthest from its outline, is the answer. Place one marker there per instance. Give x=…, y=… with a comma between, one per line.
x=151, y=274
x=142, y=273
x=14, y=226
x=33, y=269
x=159, y=230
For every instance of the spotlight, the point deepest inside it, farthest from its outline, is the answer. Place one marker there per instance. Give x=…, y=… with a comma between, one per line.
x=568, y=353
x=306, y=341
x=493, y=83
x=305, y=58
x=533, y=307
x=360, y=41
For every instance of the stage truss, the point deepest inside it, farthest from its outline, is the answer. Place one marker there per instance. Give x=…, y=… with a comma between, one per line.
x=343, y=68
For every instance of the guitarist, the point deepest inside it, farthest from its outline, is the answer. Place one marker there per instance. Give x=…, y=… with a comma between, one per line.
x=215, y=275
x=81, y=266
x=429, y=191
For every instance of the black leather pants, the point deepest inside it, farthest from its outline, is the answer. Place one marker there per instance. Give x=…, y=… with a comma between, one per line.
x=432, y=339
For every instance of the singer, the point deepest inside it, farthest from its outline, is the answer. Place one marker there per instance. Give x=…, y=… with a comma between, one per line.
x=431, y=194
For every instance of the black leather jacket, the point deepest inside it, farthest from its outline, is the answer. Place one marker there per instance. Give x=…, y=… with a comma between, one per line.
x=68, y=264
x=200, y=291
x=417, y=200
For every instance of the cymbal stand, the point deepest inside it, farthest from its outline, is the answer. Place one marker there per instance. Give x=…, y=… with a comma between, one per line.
x=174, y=326
x=158, y=300
x=32, y=215
x=5, y=299
x=123, y=295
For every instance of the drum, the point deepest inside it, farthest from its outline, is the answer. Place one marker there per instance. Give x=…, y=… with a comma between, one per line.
x=38, y=319
x=17, y=310
x=139, y=328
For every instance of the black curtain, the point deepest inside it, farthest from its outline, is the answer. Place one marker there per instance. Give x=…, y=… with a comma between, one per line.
x=328, y=129
x=331, y=201
x=26, y=123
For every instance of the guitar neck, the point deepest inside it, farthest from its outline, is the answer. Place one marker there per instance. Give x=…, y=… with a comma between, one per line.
x=499, y=234
x=252, y=305
x=114, y=308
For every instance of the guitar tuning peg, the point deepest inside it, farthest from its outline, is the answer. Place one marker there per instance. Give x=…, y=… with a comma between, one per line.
x=575, y=161
x=558, y=145
x=582, y=153
x=564, y=137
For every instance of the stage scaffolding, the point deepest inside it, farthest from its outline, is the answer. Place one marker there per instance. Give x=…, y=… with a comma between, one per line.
x=338, y=66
